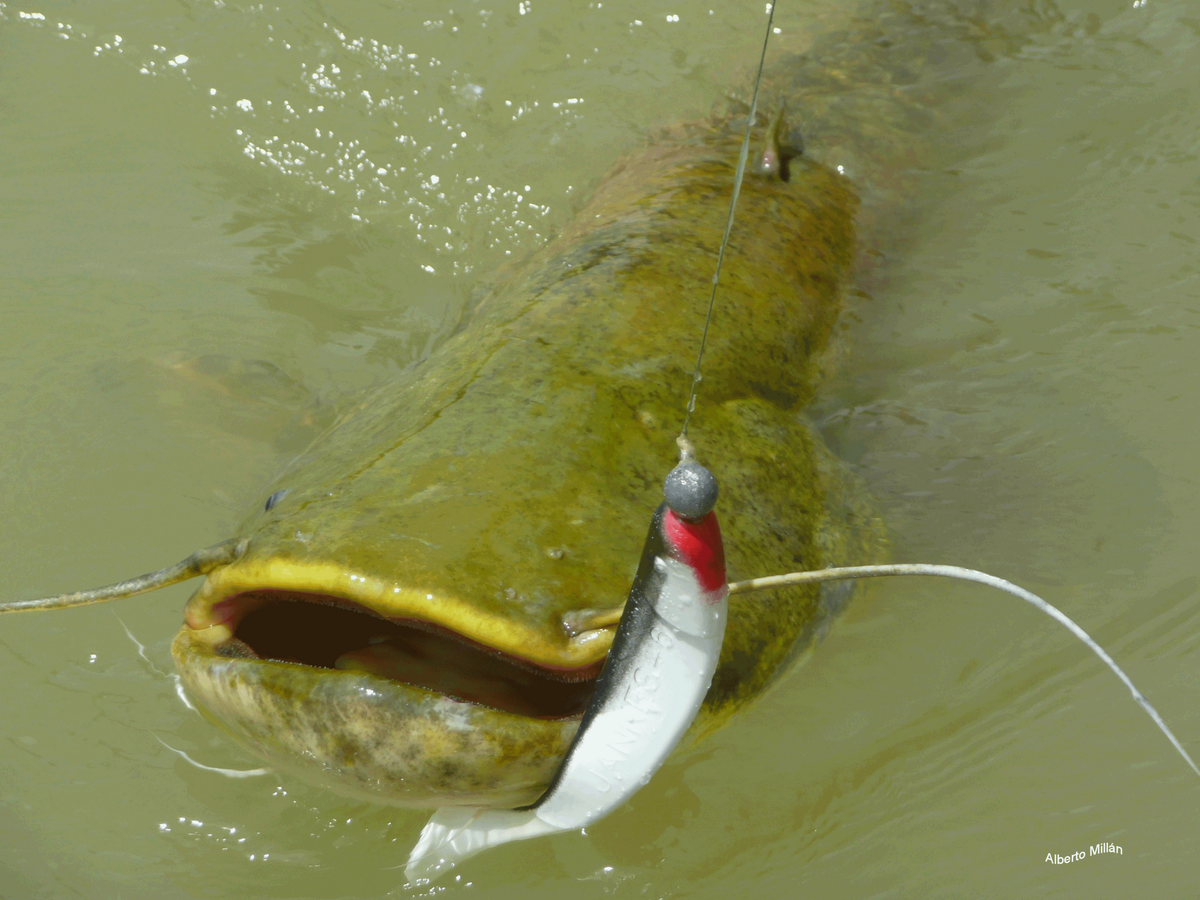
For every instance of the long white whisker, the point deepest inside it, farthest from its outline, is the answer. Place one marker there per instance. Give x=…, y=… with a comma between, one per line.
x=140, y=647
x=182, y=694
x=228, y=773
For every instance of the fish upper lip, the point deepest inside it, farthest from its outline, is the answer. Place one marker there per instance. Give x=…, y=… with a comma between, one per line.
x=233, y=592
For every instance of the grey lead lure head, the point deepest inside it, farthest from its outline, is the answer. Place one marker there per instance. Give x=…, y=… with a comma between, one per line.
x=690, y=491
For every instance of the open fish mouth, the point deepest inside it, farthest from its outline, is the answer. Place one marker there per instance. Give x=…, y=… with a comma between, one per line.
x=327, y=632
x=381, y=692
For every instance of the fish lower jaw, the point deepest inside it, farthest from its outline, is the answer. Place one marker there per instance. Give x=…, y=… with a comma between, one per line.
x=371, y=738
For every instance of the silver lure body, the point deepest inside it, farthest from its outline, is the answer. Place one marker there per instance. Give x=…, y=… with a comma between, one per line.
x=657, y=674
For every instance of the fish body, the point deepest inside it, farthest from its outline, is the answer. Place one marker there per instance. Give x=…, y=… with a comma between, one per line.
x=460, y=512
x=395, y=628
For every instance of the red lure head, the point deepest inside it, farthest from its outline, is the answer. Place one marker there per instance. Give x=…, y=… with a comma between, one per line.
x=697, y=545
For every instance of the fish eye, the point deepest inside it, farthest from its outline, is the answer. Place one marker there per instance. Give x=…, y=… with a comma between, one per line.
x=275, y=498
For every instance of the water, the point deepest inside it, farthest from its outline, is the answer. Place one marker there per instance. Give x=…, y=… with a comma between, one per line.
x=1017, y=393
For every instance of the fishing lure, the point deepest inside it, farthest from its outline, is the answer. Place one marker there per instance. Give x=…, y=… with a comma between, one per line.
x=657, y=673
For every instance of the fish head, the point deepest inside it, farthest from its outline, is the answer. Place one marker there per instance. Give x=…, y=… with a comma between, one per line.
x=395, y=628
x=390, y=668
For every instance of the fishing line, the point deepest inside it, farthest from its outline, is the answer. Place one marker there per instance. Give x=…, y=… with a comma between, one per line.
x=841, y=574
x=737, y=189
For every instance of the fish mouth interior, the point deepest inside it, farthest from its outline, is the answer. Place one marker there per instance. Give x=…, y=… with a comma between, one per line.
x=327, y=632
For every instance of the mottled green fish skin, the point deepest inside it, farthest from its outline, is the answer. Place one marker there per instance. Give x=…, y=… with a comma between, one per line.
x=514, y=470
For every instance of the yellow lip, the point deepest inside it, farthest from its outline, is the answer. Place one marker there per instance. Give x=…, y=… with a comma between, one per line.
x=551, y=647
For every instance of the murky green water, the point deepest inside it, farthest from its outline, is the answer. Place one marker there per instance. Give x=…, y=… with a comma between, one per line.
x=321, y=187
